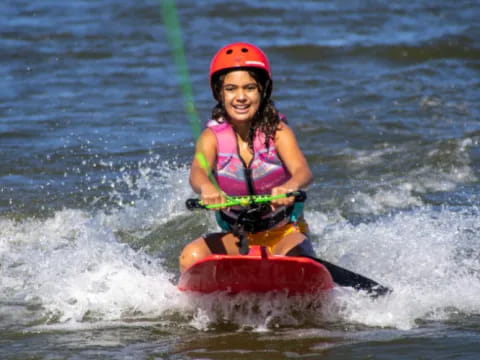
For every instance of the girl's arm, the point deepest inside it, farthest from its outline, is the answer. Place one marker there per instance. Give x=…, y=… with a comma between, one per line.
x=294, y=160
x=206, y=147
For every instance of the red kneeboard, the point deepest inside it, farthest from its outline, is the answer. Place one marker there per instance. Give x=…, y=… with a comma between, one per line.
x=256, y=272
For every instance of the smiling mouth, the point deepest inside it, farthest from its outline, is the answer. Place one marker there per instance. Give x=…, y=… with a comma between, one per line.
x=241, y=108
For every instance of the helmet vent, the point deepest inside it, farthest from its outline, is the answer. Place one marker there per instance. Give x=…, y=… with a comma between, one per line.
x=229, y=51
x=244, y=50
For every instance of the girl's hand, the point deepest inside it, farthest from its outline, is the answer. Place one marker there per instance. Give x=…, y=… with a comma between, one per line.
x=287, y=201
x=210, y=195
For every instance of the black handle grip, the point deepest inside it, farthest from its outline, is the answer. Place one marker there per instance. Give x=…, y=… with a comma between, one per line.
x=193, y=204
x=300, y=195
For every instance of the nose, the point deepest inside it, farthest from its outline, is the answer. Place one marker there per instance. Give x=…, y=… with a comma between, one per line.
x=241, y=95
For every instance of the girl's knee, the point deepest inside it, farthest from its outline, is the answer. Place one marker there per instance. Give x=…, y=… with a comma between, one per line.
x=193, y=252
x=303, y=248
x=295, y=245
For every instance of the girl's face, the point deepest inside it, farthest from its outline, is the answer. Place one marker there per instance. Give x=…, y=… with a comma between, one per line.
x=241, y=96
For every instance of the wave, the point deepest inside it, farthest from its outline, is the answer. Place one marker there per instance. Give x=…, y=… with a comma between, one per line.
x=118, y=265
x=446, y=47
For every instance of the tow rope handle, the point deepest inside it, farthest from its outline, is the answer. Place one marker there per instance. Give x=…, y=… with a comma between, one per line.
x=192, y=204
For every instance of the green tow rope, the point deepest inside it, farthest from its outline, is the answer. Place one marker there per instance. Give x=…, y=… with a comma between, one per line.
x=174, y=37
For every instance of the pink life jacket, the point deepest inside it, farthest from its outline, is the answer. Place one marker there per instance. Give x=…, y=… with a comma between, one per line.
x=235, y=178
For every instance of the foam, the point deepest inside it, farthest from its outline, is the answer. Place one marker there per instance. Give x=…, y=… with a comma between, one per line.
x=73, y=269
x=421, y=254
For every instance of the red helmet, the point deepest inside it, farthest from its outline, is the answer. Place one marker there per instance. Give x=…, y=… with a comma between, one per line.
x=240, y=55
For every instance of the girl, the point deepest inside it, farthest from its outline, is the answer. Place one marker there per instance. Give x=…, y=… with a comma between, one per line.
x=251, y=150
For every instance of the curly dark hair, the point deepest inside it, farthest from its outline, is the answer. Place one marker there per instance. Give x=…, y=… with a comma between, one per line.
x=267, y=117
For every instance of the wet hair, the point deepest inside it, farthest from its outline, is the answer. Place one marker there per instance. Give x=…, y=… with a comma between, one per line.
x=267, y=116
